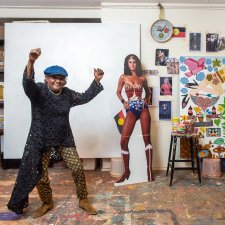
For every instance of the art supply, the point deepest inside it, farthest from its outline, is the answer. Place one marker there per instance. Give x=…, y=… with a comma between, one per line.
x=175, y=122
x=181, y=128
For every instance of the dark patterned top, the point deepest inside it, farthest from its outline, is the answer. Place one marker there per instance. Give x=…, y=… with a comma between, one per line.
x=49, y=128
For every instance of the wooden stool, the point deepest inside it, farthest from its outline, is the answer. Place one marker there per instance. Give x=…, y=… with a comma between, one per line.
x=211, y=168
x=172, y=151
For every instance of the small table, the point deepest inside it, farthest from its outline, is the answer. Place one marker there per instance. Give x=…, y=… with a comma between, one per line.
x=172, y=151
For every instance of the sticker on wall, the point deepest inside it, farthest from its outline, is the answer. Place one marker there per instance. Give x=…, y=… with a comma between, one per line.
x=194, y=41
x=150, y=72
x=164, y=110
x=179, y=32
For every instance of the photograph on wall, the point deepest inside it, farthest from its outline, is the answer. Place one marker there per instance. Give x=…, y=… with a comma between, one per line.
x=212, y=42
x=165, y=110
x=172, y=66
x=194, y=41
x=221, y=44
x=161, y=56
x=202, y=99
x=165, y=86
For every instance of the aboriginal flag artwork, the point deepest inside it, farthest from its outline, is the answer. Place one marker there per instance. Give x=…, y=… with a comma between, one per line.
x=119, y=118
x=179, y=32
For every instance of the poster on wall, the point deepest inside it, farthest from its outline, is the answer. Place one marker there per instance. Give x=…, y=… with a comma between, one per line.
x=202, y=100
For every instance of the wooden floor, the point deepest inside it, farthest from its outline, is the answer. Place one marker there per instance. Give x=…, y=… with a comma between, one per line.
x=155, y=203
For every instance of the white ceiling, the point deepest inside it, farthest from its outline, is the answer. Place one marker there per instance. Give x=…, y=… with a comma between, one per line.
x=96, y=3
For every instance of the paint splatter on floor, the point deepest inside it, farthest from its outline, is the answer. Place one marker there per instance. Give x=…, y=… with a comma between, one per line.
x=155, y=203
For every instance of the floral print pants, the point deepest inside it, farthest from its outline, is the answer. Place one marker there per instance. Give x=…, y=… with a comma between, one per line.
x=73, y=162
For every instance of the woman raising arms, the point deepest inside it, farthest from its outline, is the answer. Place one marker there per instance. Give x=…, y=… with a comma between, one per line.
x=134, y=82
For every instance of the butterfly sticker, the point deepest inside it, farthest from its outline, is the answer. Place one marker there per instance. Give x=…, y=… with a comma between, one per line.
x=195, y=66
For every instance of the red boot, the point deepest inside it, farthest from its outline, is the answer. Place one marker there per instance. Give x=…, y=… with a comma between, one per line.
x=126, y=174
x=148, y=153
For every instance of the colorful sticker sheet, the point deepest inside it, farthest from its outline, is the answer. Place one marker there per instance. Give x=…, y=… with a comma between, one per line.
x=202, y=100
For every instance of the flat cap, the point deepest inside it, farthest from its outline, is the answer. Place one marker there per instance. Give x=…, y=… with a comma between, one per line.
x=55, y=70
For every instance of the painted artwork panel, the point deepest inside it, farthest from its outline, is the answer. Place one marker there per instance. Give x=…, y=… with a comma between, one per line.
x=202, y=99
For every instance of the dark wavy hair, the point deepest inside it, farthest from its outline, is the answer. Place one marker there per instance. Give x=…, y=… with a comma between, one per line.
x=126, y=67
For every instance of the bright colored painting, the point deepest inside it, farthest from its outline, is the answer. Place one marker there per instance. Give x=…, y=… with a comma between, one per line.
x=202, y=100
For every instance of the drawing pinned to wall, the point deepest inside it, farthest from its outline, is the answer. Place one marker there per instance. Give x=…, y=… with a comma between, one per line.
x=165, y=110
x=194, y=41
x=179, y=32
x=161, y=56
x=172, y=66
x=212, y=41
x=165, y=85
x=202, y=98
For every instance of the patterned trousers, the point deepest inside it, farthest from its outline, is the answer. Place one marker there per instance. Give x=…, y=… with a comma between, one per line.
x=72, y=160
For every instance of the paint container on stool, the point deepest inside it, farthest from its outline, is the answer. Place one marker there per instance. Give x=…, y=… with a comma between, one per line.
x=175, y=122
x=181, y=128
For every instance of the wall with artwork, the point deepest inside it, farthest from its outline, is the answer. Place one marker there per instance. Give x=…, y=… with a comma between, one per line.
x=194, y=37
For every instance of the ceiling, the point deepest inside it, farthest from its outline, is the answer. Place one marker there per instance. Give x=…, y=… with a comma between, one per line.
x=96, y=3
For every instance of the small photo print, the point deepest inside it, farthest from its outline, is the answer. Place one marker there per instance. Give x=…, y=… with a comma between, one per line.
x=221, y=44
x=195, y=41
x=172, y=66
x=165, y=86
x=150, y=98
x=212, y=42
x=164, y=110
x=161, y=56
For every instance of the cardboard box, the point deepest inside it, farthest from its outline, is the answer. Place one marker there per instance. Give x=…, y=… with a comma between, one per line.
x=106, y=164
x=89, y=164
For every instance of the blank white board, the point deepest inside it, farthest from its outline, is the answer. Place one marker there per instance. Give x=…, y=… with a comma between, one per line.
x=78, y=48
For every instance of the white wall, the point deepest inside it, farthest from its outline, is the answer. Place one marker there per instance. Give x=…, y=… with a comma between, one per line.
x=195, y=18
